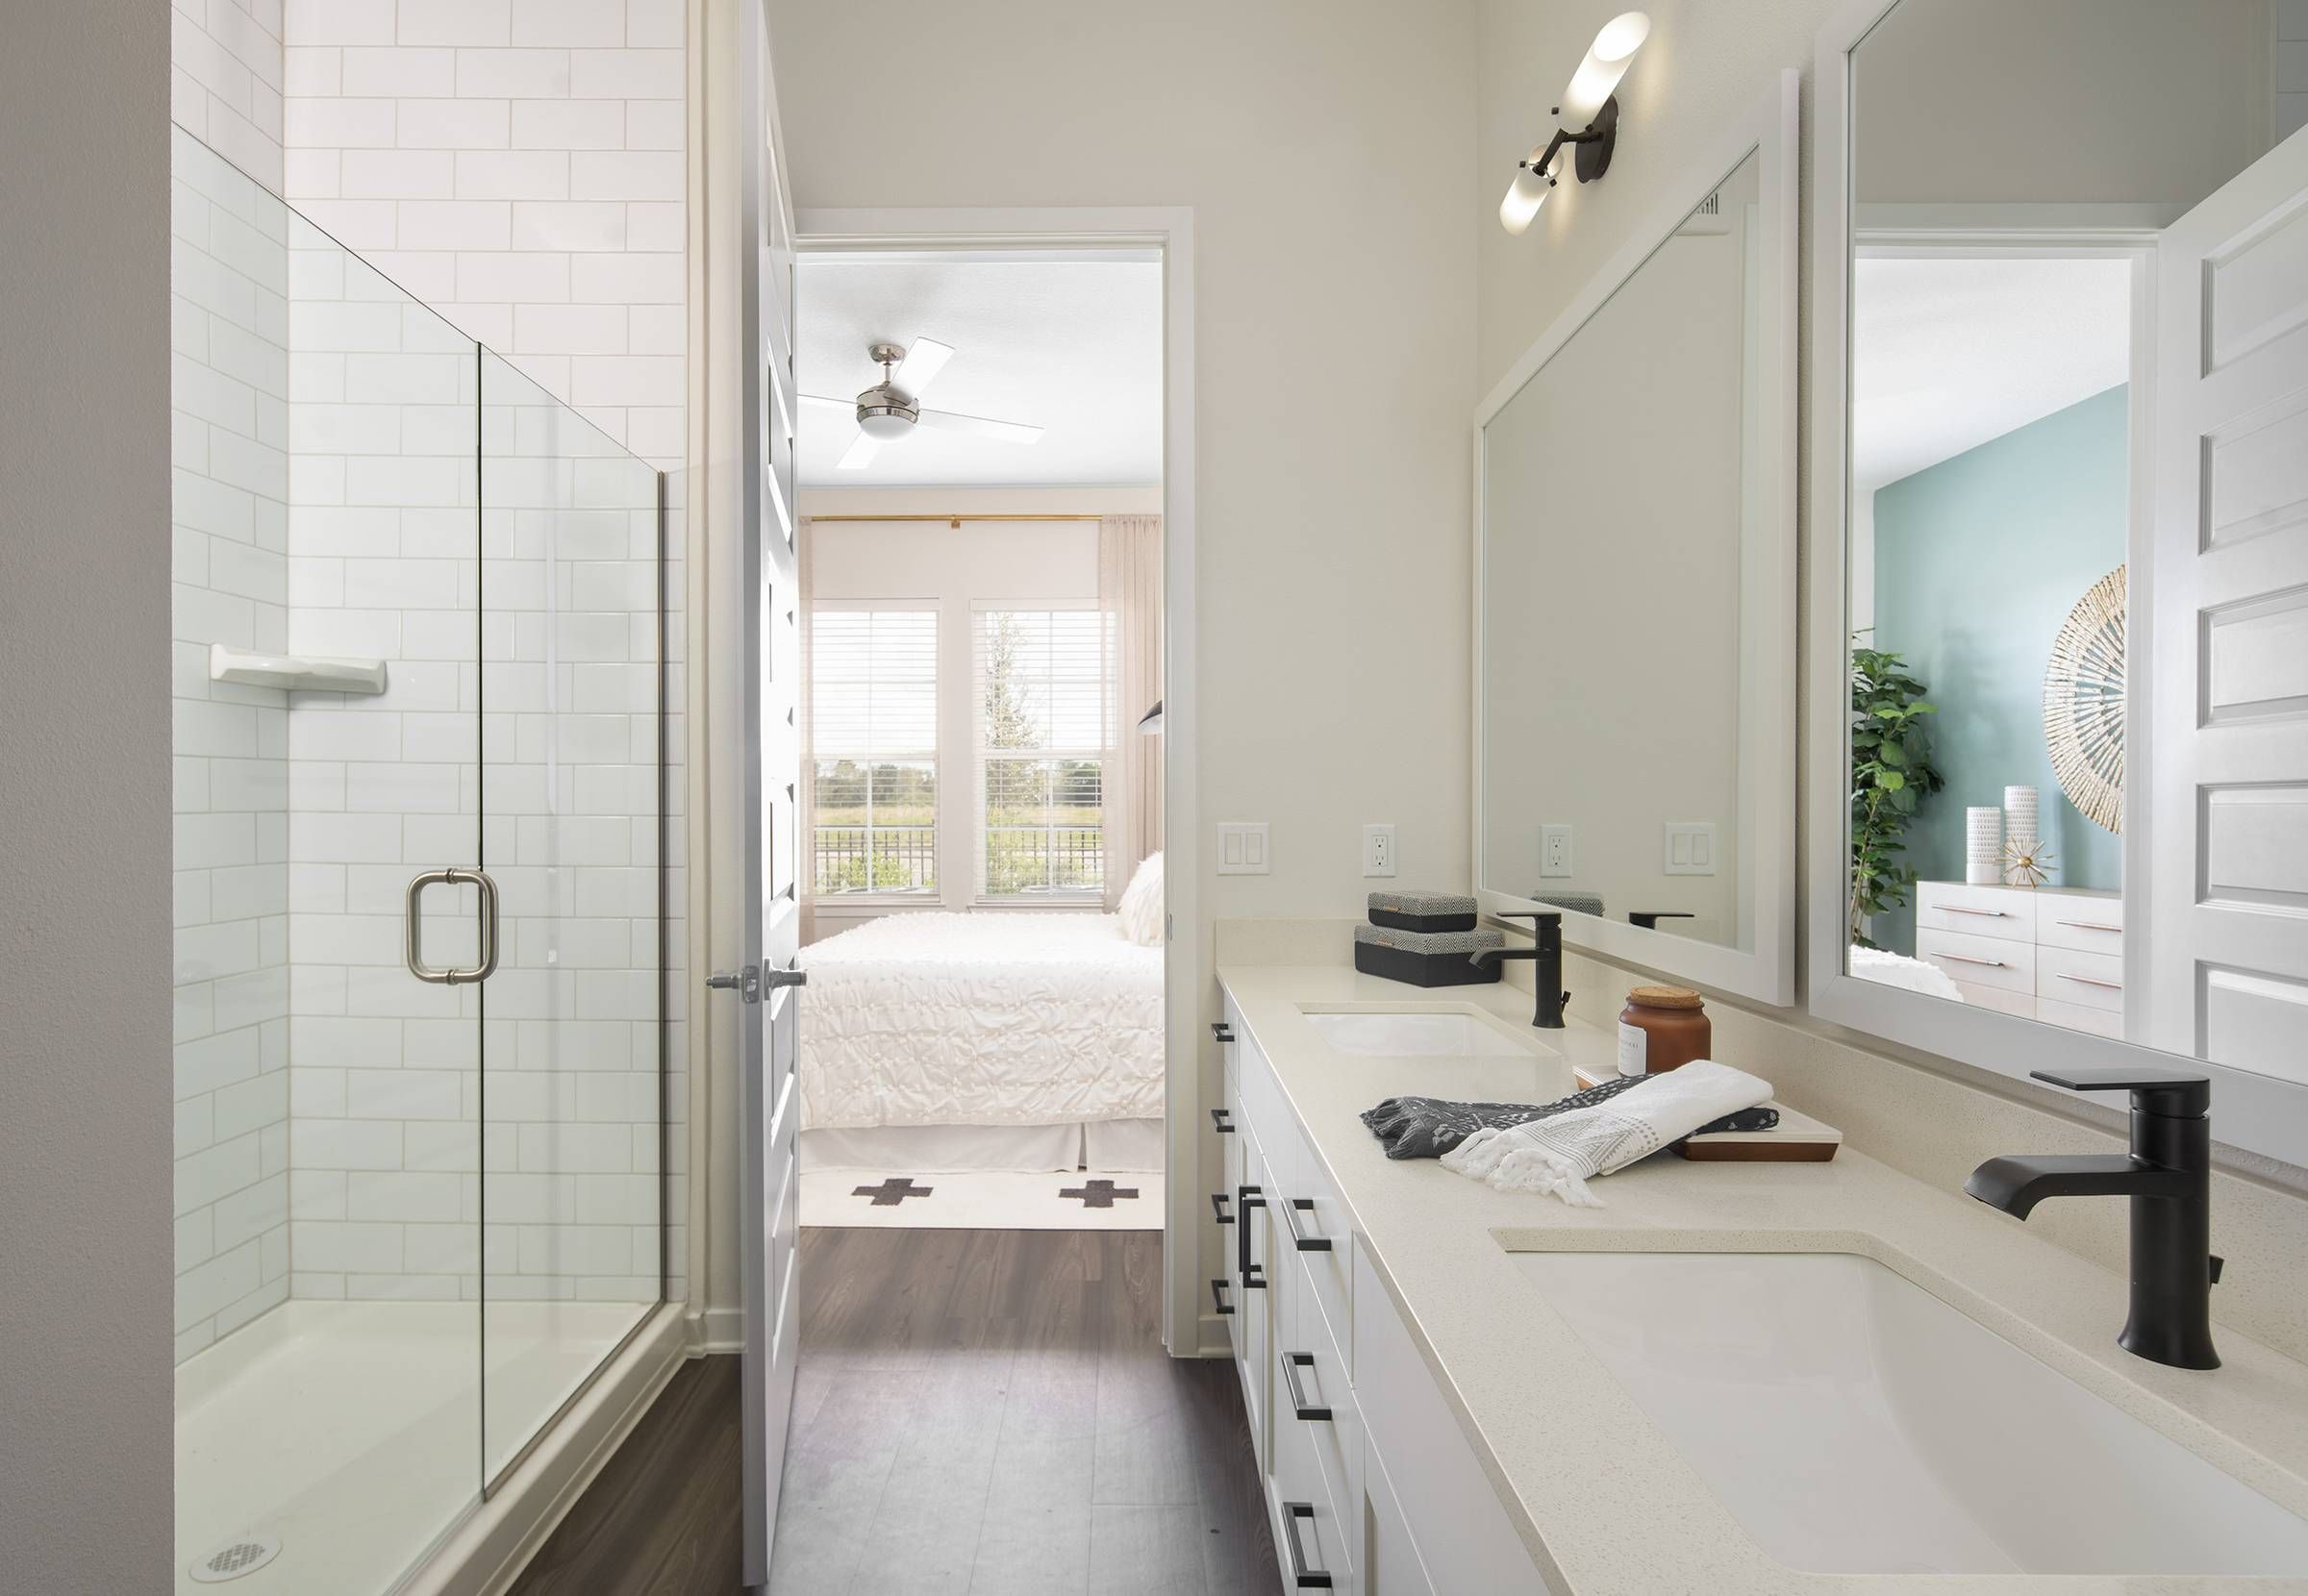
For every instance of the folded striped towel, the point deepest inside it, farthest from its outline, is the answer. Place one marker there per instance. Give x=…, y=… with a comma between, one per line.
x=1561, y=1154
x=1429, y=1127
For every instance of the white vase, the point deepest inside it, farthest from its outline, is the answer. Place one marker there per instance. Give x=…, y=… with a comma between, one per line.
x=1983, y=847
x=2021, y=823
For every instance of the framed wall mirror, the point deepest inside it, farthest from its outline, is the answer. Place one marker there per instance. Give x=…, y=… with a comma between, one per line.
x=1635, y=588
x=2059, y=668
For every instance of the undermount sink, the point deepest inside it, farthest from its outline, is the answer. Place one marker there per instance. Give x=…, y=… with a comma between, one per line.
x=1854, y=1423
x=1416, y=1035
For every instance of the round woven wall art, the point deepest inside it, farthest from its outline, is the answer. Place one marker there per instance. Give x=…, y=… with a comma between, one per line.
x=2083, y=703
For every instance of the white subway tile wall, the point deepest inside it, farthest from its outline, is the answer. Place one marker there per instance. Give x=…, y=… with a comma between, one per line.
x=227, y=83
x=517, y=165
x=229, y=560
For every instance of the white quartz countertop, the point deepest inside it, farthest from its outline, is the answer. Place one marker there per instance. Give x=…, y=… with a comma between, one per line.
x=1600, y=1497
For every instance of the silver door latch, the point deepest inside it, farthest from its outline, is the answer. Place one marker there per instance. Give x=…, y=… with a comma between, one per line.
x=748, y=981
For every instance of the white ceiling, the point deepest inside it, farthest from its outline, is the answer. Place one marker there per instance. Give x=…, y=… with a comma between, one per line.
x=1950, y=353
x=1073, y=346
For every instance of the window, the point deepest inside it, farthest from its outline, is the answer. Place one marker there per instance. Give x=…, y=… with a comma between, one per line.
x=873, y=750
x=1045, y=721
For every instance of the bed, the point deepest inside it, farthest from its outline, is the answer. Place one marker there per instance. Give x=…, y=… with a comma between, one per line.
x=1018, y=1040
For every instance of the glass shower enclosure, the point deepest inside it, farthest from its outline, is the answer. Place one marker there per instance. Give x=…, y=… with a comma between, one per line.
x=420, y=1077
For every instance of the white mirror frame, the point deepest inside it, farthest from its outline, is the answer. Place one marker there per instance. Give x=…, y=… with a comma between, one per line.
x=1764, y=969
x=2250, y=1111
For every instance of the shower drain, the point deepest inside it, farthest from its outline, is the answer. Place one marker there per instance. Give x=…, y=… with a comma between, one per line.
x=235, y=1558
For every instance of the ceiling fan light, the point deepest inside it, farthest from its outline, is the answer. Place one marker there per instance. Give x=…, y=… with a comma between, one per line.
x=883, y=424
x=1525, y=196
x=1605, y=65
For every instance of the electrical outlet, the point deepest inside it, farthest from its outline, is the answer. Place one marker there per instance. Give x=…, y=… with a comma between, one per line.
x=1554, y=850
x=1242, y=847
x=1690, y=848
x=1378, y=849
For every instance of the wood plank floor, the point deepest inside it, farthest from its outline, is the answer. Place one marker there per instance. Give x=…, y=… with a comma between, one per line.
x=976, y=1412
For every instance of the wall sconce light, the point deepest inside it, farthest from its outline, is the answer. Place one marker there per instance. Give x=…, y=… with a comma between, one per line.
x=1591, y=109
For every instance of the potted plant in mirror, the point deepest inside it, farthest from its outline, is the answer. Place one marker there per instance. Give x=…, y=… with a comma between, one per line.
x=1891, y=774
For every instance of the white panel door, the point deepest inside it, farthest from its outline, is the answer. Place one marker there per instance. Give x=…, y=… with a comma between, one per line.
x=2227, y=595
x=769, y=1101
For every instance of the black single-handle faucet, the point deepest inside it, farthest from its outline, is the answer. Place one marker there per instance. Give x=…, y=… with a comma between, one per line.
x=2168, y=1175
x=1546, y=953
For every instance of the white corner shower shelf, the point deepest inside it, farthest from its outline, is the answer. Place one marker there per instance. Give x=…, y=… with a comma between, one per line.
x=302, y=673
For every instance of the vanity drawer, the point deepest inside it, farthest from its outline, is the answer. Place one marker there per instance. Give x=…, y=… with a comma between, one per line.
x=2086, y=924
x=1311, y=1222
x=2097, y=1022
x=2006, y=913
x=1263, y=1107
x=2086, y=980
x=1324, y=1534
x=1981, y=960
x=1325, y=1385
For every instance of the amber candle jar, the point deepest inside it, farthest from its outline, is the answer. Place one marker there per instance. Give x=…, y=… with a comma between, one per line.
x=1662, y=1027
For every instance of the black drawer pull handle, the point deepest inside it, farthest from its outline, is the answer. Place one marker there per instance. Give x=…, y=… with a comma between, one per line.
x=1218, y=1208
x=1245, y=1198
x=1304, y=1577
x=1291, y=1207
x=1220, y=1032
x=1254, y=1278
x=1218, y=1297
x=1292, y=1363
x=1220, y=1122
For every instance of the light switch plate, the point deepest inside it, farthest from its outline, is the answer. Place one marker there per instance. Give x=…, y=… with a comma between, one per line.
x=1554, y=852
x=1378, y=849
x=1690, y=848
x=1242, y=847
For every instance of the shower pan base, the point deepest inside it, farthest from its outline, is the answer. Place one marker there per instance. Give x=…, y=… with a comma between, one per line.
x=352, y=1432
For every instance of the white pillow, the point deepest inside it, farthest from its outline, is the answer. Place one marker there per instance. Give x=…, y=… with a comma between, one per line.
x=1141, y=909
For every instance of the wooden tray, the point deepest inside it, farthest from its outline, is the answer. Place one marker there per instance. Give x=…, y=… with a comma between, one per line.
x=1797, y=1138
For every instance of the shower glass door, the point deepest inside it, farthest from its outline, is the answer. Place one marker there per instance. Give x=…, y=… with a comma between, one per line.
x=571, y=1079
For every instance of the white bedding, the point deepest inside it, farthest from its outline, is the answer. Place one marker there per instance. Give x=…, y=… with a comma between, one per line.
x=996, y=1018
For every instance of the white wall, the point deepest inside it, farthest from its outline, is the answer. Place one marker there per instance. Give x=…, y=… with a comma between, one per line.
x=225, y=80
x=85, y=1274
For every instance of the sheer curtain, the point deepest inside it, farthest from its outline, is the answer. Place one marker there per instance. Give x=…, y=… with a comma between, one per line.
x=805, y=819
x=1130, y=591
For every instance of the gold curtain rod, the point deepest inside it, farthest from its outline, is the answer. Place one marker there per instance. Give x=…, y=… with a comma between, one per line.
x=953, y=520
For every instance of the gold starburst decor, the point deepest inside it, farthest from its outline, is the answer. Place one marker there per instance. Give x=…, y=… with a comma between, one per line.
x=2026, y=863
x=2083, y=704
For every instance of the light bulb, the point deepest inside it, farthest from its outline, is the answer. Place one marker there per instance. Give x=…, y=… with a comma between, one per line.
x=1525, y=196
x=1605, y=65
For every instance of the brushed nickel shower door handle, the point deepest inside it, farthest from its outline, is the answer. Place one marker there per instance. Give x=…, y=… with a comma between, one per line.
x=412, y=939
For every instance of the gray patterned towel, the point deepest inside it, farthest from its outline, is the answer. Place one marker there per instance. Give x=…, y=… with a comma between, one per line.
x=1429, y=1127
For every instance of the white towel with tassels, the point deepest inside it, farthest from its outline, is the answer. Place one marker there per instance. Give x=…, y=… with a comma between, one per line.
x=1561, y=1155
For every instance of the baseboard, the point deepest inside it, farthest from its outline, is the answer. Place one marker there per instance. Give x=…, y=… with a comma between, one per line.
x=718, y=1330
x=485, y=1554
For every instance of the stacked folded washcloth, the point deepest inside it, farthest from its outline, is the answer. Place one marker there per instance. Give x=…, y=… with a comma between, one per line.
x=1429, y=1127
x=1561, y=1154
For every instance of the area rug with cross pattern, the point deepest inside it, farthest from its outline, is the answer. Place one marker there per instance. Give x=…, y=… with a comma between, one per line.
x=983, y=1200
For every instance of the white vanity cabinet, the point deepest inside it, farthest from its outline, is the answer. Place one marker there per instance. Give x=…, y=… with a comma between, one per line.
x=1371, y=1485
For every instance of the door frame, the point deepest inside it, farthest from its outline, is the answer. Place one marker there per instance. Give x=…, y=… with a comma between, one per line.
x=1170, y=230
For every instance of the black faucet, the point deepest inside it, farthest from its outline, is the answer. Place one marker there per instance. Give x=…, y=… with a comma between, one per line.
x=2168, y=1175
x=1546, y=953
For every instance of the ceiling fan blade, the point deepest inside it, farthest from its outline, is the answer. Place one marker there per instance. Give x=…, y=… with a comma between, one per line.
x=978, y=425
x=862, y=450
x=920, y=367
x=833, y=404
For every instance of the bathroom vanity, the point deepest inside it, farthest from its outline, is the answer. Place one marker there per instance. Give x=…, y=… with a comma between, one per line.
x=1454, y=1389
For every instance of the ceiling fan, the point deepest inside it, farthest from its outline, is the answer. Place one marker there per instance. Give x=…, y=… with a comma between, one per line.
x=892, y=408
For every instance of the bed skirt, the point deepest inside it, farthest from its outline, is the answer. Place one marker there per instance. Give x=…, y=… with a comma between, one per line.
x=1105, y=1144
